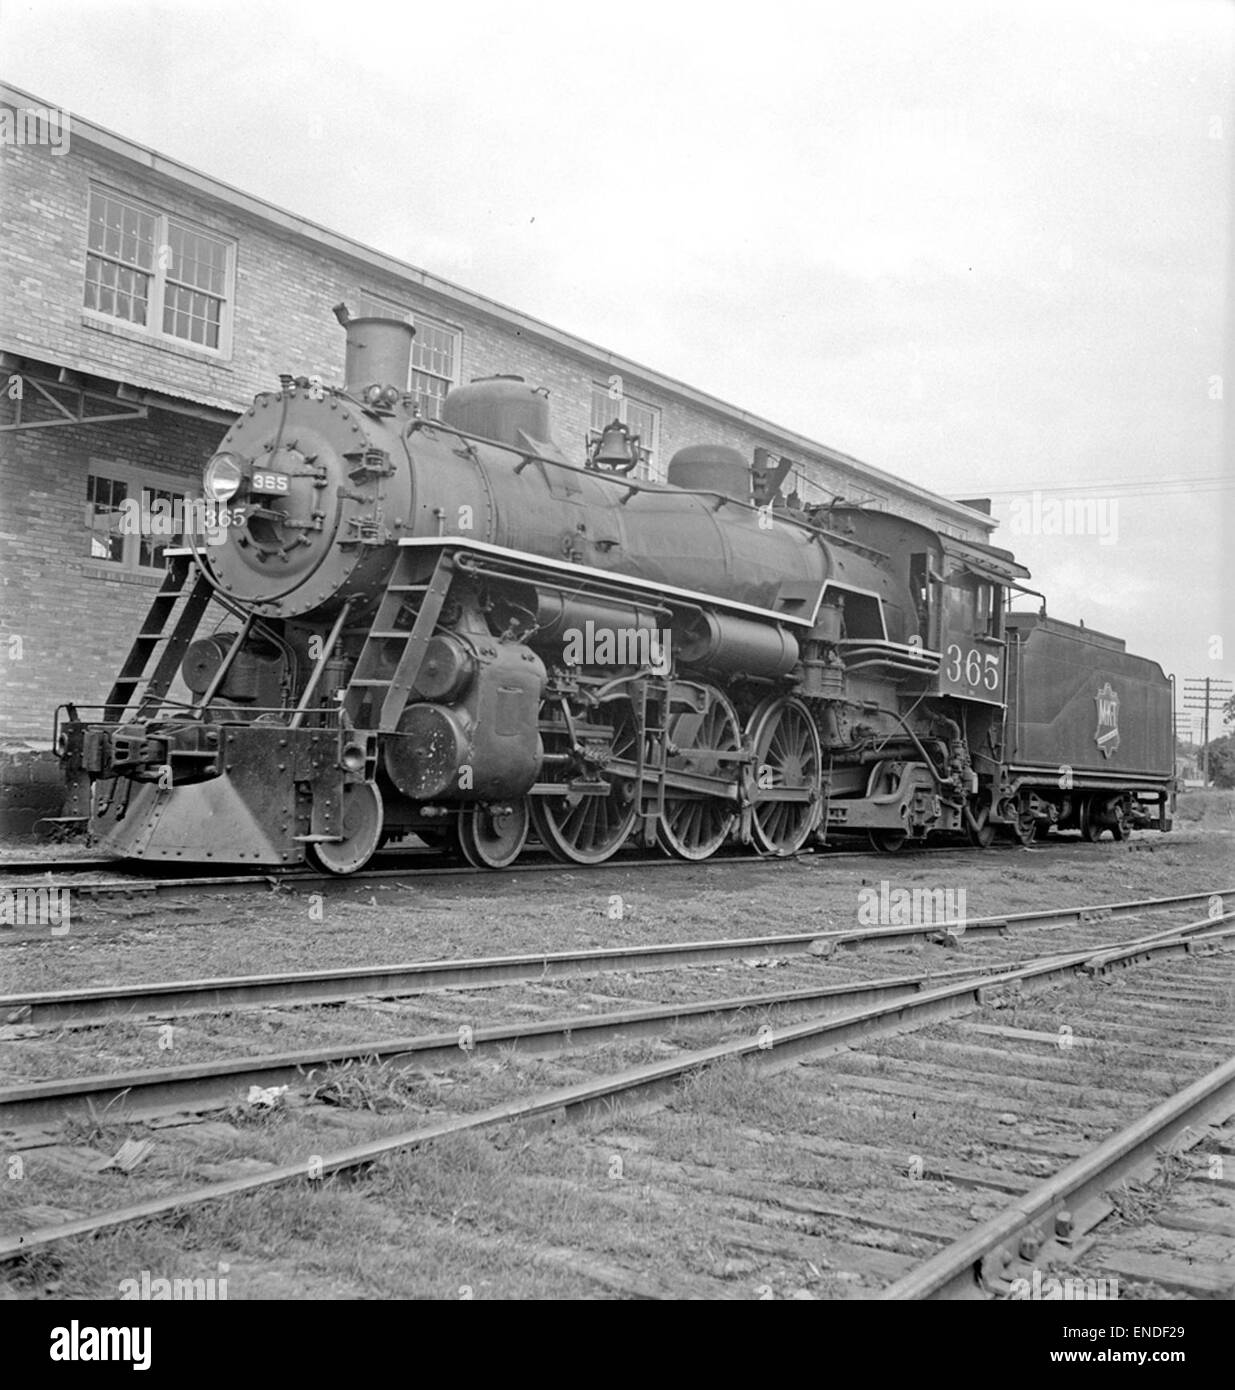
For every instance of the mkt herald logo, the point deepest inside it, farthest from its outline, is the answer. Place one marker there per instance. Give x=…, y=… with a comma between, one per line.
x=1107, y=734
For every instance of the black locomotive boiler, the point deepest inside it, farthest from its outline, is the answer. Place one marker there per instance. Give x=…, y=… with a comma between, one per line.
x=448, y=629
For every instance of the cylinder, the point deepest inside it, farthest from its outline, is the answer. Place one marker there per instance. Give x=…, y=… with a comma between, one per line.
x=721, y=642
x=202, y=660
x=447, y=670
x=379, y=353
x=425, y=757
x=559, y=614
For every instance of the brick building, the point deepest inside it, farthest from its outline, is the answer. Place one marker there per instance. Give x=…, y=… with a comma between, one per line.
x=145, y=303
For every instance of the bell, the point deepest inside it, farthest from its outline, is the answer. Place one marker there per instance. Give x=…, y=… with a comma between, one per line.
x=615, y=450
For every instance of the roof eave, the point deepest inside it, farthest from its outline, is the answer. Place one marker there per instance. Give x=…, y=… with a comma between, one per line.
x=314, y=234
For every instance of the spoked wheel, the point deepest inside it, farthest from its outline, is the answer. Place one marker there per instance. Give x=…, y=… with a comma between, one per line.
x=695, y=825
x=982, y=832
x=491, y=834
x=888, y=841
x=361, y=830
x=578, y=828
x=785, y=801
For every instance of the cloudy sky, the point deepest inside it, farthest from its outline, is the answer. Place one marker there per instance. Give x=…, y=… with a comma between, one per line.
x=985, y=246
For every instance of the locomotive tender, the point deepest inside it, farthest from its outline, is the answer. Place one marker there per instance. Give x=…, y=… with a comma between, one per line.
x=447, y=628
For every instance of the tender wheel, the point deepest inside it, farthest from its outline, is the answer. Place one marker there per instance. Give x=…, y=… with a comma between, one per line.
x=1025, y=830
x=492, y=834
x=1121, y=825
x=590, y=829
x=785, y=800
x=888, y=841
x=695, y=825
x=982, y=832
x=362, y=831
x=1090, y=829
x=1022, y=829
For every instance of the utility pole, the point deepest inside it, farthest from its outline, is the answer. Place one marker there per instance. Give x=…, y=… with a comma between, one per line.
x=1205, y=693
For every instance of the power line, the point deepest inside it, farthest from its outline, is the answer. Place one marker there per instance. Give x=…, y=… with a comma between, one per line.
x=1134, y=487
x=1205, y=693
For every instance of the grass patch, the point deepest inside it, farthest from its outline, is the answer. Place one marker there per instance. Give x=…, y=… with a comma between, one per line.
x=1209, y=806
x=377, y=1087
x=1136, y=1202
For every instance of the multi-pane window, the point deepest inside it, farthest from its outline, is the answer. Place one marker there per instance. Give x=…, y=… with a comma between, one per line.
x=130, y=519
x=435, y=354
x=638, y=417
x=196, y=287
x=120, y=262
x=104, y=517
x=150, y=547
x=157, y=272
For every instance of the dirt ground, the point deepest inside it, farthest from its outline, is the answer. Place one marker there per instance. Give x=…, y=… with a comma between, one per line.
x=203, y=933
x=524, y=1209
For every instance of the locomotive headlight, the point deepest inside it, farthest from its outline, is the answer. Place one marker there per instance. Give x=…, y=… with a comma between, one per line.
x=222, y=477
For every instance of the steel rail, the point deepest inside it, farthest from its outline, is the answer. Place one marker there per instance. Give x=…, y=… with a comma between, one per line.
x=177, y=998
x=57, y=866
x=770, y=1050
x=136, y=872
x=977, y=1264
x=198, y=1086
x=274, y=874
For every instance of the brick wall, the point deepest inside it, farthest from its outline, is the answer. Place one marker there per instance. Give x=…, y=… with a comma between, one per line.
x=74, y=620
x=66, y=621
x=285, y=287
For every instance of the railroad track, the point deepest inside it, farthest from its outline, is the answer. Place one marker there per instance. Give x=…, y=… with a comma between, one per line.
x=92, y=1006
x=198, y=1087
x=1060, y=1230
x=889, y=1009
x=145, y=877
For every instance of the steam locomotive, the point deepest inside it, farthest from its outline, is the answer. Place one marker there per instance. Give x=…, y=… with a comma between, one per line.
x=448, y=629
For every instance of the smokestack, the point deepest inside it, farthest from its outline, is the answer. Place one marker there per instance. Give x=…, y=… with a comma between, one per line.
x=379, y=353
